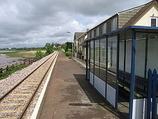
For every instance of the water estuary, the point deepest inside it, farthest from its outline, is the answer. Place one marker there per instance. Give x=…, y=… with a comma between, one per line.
x=8, y=61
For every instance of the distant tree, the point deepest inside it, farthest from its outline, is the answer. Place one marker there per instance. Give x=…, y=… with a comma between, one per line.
x=13, y=48
x=47, y=45
x=68, y=46
x=63, y=46
x=53, y=43
x=49, y=48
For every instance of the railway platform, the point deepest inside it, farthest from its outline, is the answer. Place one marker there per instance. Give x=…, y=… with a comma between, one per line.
x=70, y=96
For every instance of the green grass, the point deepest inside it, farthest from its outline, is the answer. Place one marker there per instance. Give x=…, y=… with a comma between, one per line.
x=13, y=68
x=9, y=53
x=23, y=54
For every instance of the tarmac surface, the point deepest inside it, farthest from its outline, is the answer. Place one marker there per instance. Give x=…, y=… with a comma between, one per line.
x=70, y=96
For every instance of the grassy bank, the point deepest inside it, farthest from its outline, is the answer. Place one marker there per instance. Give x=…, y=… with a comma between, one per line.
x=23, y=54
x=4, y=73
x=10, y=70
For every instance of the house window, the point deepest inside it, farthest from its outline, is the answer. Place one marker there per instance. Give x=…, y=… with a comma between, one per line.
x=114, y=24
x=97, y=31
x=94, y=32
x=104, y=28
x=154, y=22
x=100, y=29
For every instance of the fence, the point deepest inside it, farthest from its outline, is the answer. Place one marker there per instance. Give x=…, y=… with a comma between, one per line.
x=152, y=94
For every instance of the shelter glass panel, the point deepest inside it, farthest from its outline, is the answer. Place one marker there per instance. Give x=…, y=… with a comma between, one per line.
x=140, y=60
x=152, y=56
x=92, y=56
x=124, y=77
x=97, y=57
x=112, y=60
x=87, y=60
x=128, y=56
x=88, y=53
x=103, y=59
x=121, y=54
x=140, y=54
x=125, y=59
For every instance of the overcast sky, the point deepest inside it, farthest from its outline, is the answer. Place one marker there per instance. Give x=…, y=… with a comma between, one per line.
x=32, y=23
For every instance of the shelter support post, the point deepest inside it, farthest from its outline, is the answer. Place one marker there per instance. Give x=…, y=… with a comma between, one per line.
x=132, y=80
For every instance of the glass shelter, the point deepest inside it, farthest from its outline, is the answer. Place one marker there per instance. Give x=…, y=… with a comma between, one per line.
x=117, y=66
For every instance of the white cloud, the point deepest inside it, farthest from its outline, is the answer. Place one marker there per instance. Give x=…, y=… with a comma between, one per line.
x=32, y=23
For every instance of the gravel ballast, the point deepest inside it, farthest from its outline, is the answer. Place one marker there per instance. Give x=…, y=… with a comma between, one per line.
x=8, y=83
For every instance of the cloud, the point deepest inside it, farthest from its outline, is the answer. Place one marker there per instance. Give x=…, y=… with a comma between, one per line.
x=32, y=23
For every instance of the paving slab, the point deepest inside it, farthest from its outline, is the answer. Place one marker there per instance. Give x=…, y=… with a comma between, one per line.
x=70, y=96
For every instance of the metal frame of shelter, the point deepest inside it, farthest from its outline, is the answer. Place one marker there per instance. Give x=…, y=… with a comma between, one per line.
x=133, y=31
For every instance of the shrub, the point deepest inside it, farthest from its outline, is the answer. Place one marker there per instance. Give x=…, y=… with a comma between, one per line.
x=68, y=53
x=69, y=50
x=39, y=54
x=9, y=70
x=49, y=50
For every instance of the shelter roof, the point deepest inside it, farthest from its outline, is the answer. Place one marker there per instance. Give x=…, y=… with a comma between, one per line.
x=78, y=34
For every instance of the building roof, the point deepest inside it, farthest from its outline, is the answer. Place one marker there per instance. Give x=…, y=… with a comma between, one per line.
x=141, y=10
x=78, y=34
x=130, y=16
x=125, y=16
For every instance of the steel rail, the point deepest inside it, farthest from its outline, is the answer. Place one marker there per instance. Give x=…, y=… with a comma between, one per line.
x=1, y=98
x=35, y=92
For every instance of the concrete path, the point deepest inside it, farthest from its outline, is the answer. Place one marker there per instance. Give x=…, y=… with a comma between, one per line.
x=70, y=96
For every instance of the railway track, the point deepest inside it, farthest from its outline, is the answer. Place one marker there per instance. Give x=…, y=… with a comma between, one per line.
x=14, y=104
